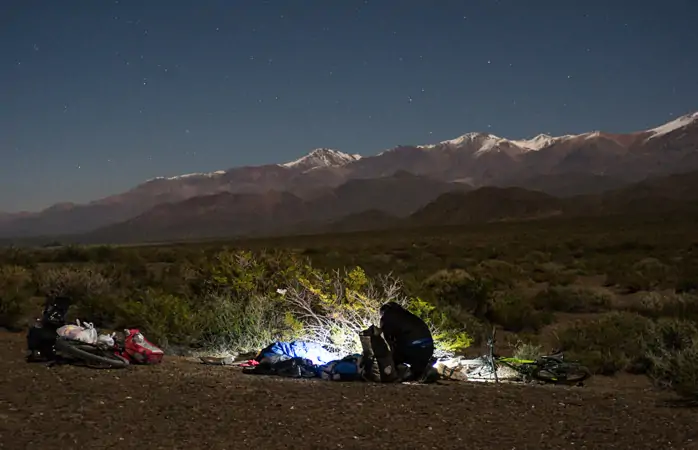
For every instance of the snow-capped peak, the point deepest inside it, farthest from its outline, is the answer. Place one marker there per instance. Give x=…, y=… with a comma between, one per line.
x=536, y=143
x=484, y=139
x=673, y=125
x=470, y=137
x=322, y=157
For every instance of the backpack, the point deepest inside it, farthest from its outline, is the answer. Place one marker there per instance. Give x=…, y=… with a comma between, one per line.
x=139, y=350
x=345, y=369
x=377, y=363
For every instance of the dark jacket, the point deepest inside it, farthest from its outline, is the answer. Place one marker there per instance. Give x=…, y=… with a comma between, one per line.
x=401, y=328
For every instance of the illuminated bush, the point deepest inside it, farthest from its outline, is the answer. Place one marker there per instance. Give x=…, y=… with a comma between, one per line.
x=333, y=309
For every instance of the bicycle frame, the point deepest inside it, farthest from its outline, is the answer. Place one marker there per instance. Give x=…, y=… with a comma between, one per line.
x=511, y=362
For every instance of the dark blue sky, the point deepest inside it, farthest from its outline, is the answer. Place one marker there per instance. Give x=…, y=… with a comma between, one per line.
x=98, y=96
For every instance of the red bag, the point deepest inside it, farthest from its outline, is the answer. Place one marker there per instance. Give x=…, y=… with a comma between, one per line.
x=139, y=350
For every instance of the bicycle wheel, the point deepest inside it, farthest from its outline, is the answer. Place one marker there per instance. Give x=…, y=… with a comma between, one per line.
x=91, y=355
x=562, y=373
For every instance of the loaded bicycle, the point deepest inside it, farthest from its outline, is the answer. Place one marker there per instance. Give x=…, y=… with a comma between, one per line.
x=552, y=369
x=46, y=343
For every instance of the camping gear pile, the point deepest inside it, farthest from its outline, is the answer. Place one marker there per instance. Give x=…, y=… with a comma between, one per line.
x=401, y=349
x=51, y=340
x=298, y=359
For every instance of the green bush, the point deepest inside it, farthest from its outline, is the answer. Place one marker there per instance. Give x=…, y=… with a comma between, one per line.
x=166, y=318
x=246, y=325
x=458, y=287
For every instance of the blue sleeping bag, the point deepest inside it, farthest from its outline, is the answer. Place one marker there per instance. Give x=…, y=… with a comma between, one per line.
x=298, y=349
x=346, y=369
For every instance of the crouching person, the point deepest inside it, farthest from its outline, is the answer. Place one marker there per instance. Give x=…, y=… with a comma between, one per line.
x=409, y=338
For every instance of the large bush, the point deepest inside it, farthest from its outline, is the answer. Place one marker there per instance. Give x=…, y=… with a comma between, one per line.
x=229, y=299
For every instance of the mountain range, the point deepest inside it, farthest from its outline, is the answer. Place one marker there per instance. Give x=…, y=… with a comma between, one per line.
x=491, y=177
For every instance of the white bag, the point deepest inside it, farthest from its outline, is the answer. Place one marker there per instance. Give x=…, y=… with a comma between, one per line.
x=84, y=333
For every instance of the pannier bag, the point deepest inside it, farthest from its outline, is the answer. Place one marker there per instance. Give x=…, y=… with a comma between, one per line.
x=377, y=363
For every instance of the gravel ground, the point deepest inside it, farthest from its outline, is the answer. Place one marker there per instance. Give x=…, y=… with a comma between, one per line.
x=181, y=404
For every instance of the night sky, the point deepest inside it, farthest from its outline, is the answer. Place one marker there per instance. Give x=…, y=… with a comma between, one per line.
x=98, y=96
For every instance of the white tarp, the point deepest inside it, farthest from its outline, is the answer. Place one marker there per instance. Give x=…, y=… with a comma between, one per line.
x=478, y=369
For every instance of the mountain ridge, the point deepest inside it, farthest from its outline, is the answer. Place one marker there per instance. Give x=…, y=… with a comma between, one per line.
x=660, y=195
x=477, y=159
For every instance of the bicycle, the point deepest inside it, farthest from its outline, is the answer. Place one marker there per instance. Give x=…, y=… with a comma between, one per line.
x=551, y=369
x=45, y=345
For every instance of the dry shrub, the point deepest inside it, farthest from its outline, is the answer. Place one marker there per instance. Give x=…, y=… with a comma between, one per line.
x=644, y=275
x=673, y=355
x=663, y=304
x=516, y=313
x=610, y=343
x=573, y=299
x=91, y=292
x=15, y=292
x=553, y=273
x=500, y=273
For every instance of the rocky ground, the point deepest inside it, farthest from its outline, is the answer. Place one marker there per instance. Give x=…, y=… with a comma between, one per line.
x=181, y=404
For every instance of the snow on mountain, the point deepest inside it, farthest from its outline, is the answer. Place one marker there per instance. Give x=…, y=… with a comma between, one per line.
x=540, y=141
x=673, y=125
x=321, y=157
x=191, y=175
x=488, y=142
